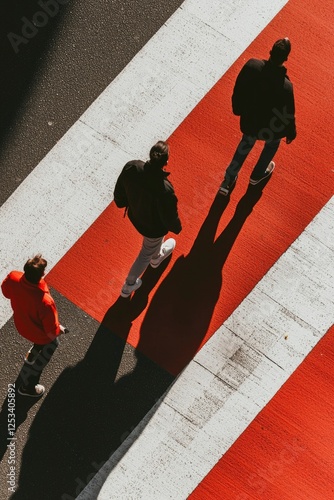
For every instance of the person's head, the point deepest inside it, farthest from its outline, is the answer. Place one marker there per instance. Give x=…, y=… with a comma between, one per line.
x=280, y=51
x=34, y=269
x=159, y=154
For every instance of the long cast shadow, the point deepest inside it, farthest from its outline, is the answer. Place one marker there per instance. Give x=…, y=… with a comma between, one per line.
x=91, y=409
x=181, y=310
x=93, y=406
x=167, y=337
x=185, y=305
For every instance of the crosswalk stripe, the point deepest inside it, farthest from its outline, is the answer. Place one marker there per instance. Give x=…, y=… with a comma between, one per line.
x=83, y=170
x=231, y=379
x=73, y=184
x=286, y=451
x=235, y=374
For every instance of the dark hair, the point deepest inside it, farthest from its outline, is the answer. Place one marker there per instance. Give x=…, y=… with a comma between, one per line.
x=159, y=154
x=280, y=51
x=34, y=269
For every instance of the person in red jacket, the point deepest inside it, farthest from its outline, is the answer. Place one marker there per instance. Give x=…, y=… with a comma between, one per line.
x=36, y=319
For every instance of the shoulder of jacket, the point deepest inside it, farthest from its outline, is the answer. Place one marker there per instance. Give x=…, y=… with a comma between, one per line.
x=255, y=63
x=288, y=87
x=169, y=188
x=47, y=300
x=133, y=164
x=43, y=286
x=15, y=275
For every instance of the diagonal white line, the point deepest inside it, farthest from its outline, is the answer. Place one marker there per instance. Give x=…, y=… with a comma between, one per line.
x=73, y=184
x=231, y=379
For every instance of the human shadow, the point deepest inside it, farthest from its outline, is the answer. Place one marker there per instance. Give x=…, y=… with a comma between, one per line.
x=94, y=405
x=180, y=312
x=91, y=408
x=118, y=319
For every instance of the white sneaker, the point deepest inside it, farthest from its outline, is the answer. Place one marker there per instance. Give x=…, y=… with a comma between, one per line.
x=36, y=393
x=166, y=249
x=128, y=289
x=268, y=171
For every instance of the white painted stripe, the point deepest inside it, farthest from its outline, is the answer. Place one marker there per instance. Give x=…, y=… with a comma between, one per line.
x=231, y=379
x=73, y=184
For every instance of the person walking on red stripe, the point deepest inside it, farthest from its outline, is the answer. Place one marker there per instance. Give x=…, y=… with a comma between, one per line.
x=263, y=98
x=36, y=319
x=144, y=190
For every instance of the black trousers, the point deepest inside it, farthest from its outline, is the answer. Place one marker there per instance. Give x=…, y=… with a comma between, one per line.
x=41, y=354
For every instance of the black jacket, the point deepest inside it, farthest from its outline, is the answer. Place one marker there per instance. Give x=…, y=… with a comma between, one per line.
x=263, y=98
x=149, y=197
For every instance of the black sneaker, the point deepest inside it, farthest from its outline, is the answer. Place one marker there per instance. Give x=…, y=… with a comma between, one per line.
x=37, y=393
x=227, y=185
x=268, y=171
x=128, y=289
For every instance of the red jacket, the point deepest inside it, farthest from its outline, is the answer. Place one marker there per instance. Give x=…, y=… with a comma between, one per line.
x=35, y=313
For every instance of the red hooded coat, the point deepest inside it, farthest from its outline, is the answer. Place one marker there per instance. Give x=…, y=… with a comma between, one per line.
x=35, y=313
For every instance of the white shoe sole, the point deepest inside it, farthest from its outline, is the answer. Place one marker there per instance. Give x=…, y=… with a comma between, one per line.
x=226, y=191
x=254, y=182
x=128, y=293
x=156, y=263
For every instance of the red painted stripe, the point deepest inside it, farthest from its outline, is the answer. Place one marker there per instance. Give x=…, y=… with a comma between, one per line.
x=204, y=284
x=287, y=451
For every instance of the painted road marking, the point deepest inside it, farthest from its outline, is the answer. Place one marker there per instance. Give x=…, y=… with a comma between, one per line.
x=264, y=341
x=287, y=450
x=231, y=379
x=86, y=145
x=74, y=183
x=208, y=277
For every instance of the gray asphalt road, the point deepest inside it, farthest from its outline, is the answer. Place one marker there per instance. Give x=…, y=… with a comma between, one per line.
x=98, y=387
x=49, y=79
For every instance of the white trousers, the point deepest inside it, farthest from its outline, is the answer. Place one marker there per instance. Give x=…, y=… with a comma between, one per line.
x=150, y=250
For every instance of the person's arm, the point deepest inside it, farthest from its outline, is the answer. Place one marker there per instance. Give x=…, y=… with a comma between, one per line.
x=291, y=131
x=49, y=318
x=169, y=213
x=240, y=94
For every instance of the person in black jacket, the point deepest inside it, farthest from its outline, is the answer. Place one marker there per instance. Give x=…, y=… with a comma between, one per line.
x=263, y=98
x=148, y=197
